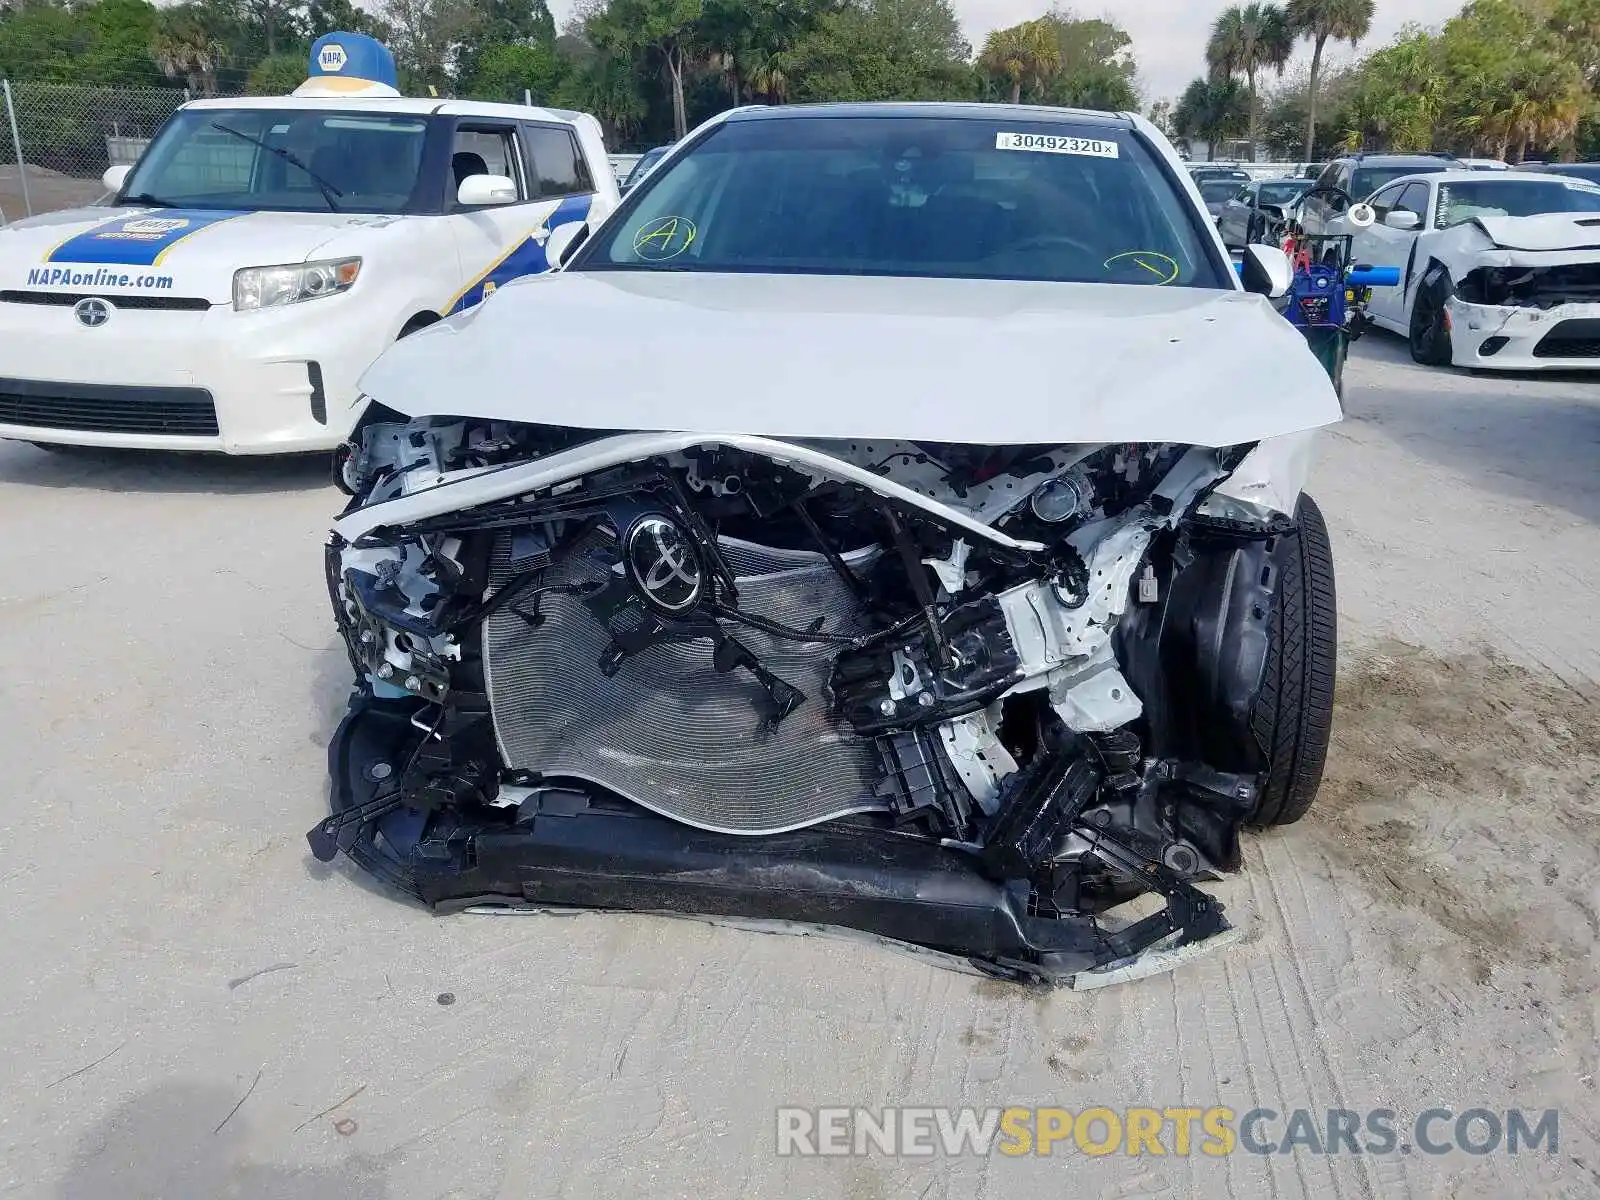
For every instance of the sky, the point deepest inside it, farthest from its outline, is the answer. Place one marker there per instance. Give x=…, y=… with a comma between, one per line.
x=1168, y=35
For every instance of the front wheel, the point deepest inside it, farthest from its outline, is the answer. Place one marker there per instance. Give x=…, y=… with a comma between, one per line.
x=1430, y=334
x=1292, y=720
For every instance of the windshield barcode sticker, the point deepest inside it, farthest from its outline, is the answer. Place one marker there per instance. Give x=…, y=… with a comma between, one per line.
x=1049, y=143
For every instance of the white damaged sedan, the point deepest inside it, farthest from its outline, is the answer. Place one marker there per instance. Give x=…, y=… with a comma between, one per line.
x=890, y=520
x=1499, y=271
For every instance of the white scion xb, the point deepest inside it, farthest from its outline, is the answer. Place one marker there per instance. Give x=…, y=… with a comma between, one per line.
x=264, y=251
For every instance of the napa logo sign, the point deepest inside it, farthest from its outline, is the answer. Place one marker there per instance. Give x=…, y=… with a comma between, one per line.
x=350, y=64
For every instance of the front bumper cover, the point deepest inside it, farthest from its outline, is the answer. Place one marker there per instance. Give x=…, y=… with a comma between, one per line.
x=1518, y=337
x=567, y=846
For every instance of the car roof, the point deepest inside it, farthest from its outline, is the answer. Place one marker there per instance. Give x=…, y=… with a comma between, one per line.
x=389, y=104
x=1579, y=168
x=1467, y=175
x=1423, y=162
x=941, y=109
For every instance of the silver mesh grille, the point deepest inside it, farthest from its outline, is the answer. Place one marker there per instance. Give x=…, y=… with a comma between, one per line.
x=669, y=731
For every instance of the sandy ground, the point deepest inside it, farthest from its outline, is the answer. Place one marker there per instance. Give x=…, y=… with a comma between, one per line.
x=168, y=680
x=47, y=191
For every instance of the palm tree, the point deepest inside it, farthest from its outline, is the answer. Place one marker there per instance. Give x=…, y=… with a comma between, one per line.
x=185, y=48
x=1551, y=97
x=1245, y=41
x=1212, y=110
x=765, y=75
x=1323, y=21
x=1026, y=53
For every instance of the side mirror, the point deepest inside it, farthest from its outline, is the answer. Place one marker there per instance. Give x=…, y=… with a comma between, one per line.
x=114, y=178
x=477, y=191
x=1400, y=218
x=1266, y=271
x=564, y=242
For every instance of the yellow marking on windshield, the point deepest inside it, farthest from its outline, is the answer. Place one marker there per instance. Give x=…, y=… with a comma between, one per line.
x=664, y=238
x=1163, y=266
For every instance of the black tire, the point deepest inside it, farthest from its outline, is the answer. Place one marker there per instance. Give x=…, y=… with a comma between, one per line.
x=1293, y=715
x=1430, y=340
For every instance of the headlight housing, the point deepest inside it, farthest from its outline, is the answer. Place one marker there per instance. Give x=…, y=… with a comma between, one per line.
x=269, y=287
x=1266, y=485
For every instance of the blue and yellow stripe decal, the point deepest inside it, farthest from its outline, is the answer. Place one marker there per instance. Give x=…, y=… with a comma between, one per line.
x=143, y=240
x=527, y=257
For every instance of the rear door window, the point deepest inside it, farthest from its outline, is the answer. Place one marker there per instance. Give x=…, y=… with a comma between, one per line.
x=556, y=164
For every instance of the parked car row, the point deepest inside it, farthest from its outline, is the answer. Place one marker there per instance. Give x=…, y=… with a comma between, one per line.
x=1499, y=267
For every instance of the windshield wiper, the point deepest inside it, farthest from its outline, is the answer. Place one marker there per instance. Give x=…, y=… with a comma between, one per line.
x=147, y=198
x=289, y=156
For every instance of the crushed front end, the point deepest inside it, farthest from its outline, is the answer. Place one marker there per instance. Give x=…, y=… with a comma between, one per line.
x=971, y=698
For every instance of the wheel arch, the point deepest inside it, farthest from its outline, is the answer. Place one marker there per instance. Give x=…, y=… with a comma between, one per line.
x=417, y=320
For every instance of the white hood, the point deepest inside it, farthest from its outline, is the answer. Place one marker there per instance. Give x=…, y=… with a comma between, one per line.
x=815, y=356
x=193, y=251
x=1550, y=231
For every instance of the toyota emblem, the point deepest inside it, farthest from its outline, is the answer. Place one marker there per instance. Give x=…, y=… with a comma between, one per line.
x=663, y=565
x=92, y=312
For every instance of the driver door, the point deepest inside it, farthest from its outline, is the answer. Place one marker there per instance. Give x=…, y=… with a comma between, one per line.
x=1382, y=245
x=1234, y=221
x=501, y=242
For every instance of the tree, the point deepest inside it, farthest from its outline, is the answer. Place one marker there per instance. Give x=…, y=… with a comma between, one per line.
x=340, y=16
x=183, y=47
x=278, y=20
x=1160, y=115
x=1322, y=21
x=1284, y=110
x=1213, y=110
x=1097, y=68
x=428, y=37
x=883, y=50
x=606, y=86
x=1551, y=97
x=665, y=31
x=1022, y=54
x=1245, y=41
x=276, y=76
x=510, y=70
x=1397, y=95
x=521, y=32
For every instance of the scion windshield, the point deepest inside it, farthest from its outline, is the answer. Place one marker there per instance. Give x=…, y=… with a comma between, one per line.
x=289, y=159
x=951, y=197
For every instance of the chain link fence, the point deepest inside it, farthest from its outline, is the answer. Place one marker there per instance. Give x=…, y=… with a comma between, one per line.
x=59, y=138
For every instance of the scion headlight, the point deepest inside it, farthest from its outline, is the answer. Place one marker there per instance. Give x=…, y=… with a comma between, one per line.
x=268, y=287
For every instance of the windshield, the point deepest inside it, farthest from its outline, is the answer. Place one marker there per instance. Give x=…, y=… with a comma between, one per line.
x=1282, y=193
x=642, y=167
x=295, y=160
x=1369, y=179
x=1460, y=202
x=1214, y=191
x=935, y=197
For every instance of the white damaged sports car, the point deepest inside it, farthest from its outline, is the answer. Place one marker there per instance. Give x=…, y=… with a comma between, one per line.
x=1498, y=271
x=869, y=527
